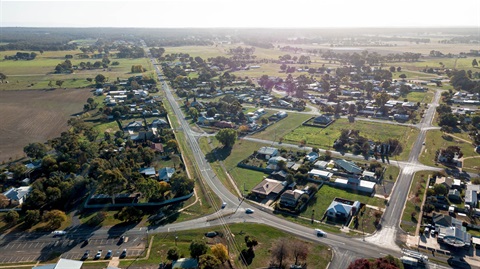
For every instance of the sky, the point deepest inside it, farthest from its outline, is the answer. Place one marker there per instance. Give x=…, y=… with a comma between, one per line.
x=241, y=13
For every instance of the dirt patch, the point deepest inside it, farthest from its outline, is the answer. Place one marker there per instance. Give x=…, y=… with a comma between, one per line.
x=35, y=116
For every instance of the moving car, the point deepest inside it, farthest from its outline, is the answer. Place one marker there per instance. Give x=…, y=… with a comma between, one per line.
x=320, y=233
x=249, y=211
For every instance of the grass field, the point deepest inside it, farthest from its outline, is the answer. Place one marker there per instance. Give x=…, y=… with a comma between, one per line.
x=38, y=73
x=324, y=137
x=414, y=202
x=435, y=140
x=283, y=127
x=422, y=97
x=318, y=257
x=35, y=116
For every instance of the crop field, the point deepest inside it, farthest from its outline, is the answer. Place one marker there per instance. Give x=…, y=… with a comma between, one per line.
x=38, y=73
x=35, y=116
x=324, y=137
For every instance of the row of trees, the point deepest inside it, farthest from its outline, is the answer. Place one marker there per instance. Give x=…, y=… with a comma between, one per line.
x=21, y=56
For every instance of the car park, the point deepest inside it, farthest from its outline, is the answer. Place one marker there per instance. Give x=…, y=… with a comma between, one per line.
x=249, y=211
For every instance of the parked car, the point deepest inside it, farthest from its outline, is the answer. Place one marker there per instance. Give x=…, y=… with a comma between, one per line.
x=59, y=233
x=122, y=238
x=98, y=255
x=85, y=255
x=124, y=253
x=224, y=204
x=249, y=211
x=109, y=254
x=211, y=234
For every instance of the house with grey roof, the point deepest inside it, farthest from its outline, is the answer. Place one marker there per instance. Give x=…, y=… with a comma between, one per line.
x=290, y=198
x=341, y=209
x=451, y=231
x=267, y=153
x=185, y=263
x=19, y=194
x=62, y=264
x=319, y=175
x=348, y=166
x=166, y=173
x=471, y=195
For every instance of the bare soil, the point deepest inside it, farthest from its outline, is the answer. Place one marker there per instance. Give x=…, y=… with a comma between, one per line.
x=35, y=116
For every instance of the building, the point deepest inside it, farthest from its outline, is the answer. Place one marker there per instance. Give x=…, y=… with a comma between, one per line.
x=471, y=195
x=348, y=166
x=312, y=156
x=355, y=184
x=166, y=173
x=369, y=176
x=267, y=153
x=319, y=175
x=268, y=187
x=148, y=171
x=323, y=120
x=18, y=195
x=451, y=231
x=321, y=165
x=62, y=264
x=341, y=209
x=445, y=181
x=185, y=263
x=290, y=198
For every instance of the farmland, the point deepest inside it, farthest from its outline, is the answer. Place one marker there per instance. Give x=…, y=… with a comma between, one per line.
x=35, y=116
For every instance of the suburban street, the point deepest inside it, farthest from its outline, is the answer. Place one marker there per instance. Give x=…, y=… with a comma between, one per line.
x=31, y=247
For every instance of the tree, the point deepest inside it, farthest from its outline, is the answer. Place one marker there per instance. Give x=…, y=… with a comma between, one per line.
x=392, y=69
x=112, y=182
x=280, y=251
x=227, y=137
x=129, y=214
x=2, y=77
x=172, y=145
x=474, y=63
x=299, y=250
x=32, y=217
x=220, y=252
x=11, y=217
x=35, y=150
x=250, y=241
x=382, y=98
x=59, y=83
x=352, y=109
x=399, y=69
x=193, y=112
x=197, y=248
x=181, y=184
x=208, y=261
x=440, y=189
x=173, y=253
x=100, y=79
x=54, y=218
x=4, y=201
x=403, y=76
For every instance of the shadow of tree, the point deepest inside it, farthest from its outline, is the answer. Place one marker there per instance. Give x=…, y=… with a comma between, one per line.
x=218, y=154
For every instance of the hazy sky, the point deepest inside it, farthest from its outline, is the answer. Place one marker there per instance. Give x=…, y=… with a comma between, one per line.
x=241, y=13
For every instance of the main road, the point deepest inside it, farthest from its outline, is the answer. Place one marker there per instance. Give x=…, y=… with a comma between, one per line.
x=342, y=245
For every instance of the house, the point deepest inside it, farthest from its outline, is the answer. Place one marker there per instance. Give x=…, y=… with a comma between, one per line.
x=224, y=124
x=279, y=175
x=281, y=114
x=290, y=198
x=268, y=187
x=267, y=152
x=348, y=166
x=454, y=195
x=185, y=263
x=99, y=91
x=19, y=194
x=445, y=181
x=159, y=123
x=321, y=165
x=369, y=176
x=276, y=159
x=471, y=195
x=451, y=231
x=340, y=209
x=312, y=156
x=166, y=173
x=355, y=184
x=319, y=175
x=147, y=171
x=134, y=125
x=62, y=264
x=157, y=147
x=323, y=120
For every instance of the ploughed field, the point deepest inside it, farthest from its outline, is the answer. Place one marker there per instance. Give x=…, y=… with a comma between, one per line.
x=35, y=116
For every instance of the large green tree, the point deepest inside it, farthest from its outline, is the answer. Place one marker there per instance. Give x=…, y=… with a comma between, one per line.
x=197, y=248
x=35, y=150
x=112, y=182
x=208, y=261
x=227, y=137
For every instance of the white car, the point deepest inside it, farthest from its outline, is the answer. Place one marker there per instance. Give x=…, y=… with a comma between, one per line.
x=59, y=233
x=320, y=233
x=249, y=211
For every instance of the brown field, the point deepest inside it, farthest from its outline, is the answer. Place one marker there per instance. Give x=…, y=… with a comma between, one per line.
x=35, y=116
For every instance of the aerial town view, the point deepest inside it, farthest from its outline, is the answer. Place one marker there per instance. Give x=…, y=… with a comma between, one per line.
x=223, y=134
